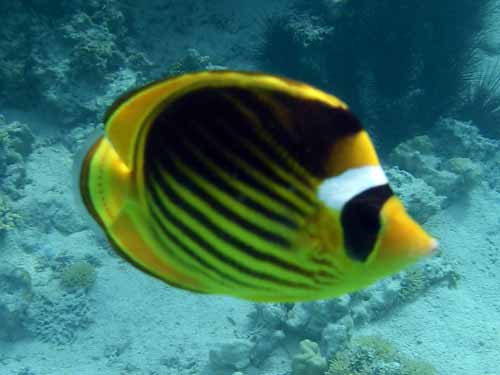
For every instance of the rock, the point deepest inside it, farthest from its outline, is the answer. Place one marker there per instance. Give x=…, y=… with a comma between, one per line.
x=336, y=336
x=265, y=345
x=233, y=355
x=419, y=198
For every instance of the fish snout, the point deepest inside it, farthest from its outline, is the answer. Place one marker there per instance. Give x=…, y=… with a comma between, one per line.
x=402, y=236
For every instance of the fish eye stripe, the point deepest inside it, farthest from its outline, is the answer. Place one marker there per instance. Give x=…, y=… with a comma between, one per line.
x=235, y=245
x=361, y=221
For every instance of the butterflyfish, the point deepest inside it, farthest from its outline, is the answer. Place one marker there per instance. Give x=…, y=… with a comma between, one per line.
x=248, y=185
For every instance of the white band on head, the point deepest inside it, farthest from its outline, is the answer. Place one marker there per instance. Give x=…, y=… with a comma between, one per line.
x=336, y=191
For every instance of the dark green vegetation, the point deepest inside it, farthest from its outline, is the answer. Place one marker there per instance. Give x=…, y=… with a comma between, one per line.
x=400, y=65
x=482, y=98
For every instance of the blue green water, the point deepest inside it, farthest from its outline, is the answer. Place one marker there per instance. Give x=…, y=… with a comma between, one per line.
x=421, y=75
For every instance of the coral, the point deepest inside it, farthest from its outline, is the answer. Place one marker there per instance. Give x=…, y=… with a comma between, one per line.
x=61, y=58
x=455, y=138
x=15, y=298
x=193, y=61
x=8, y=218
x=451, y=160
x=419, y=278
x=309, y=360
x=94, y=49
x=468, y=172
x=336, y=336
x=331, y=322
x=231, y=355
x=370, y=355
x=80, y=275
x=16, y=144
x=290, y=45
x=413, y=284
x=57, y=317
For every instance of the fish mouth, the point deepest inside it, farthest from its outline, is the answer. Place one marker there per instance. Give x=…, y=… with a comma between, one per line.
x=433, y=246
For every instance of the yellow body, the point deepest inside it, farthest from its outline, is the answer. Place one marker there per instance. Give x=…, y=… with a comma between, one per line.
x=114, y=187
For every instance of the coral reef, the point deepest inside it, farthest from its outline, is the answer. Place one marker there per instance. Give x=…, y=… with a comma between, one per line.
x=66, y=61
x=451, y=160
x=330, y=323
x=16, y=144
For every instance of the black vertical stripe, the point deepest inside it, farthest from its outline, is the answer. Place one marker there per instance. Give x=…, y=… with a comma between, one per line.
x=361, y=221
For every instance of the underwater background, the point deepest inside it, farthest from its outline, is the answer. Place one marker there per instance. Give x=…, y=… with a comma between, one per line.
x=423, y=76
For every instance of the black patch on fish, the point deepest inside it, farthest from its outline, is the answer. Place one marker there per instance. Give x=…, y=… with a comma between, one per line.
x=360, y=220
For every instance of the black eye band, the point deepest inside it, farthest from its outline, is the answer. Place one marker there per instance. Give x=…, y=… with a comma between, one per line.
x=361, y=221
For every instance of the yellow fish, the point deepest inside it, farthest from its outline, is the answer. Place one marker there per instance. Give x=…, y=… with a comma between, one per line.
x=248, y=185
